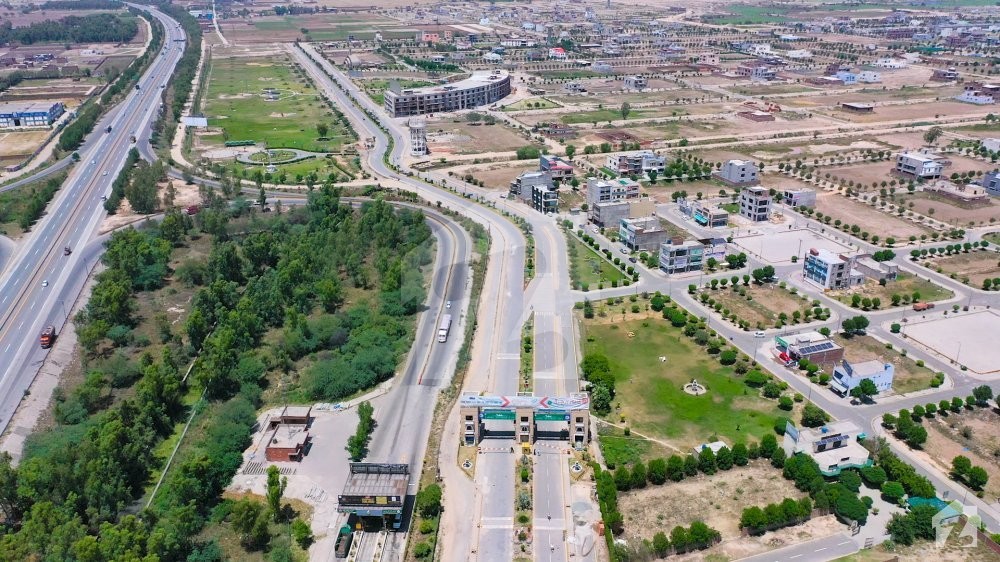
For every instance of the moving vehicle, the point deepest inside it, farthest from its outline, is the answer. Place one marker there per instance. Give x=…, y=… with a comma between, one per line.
x=447, y=304
x=443, y=328
x=759, y=334
x=918, y=306
x=47, y=337
x=108, y=130
x=67, y=251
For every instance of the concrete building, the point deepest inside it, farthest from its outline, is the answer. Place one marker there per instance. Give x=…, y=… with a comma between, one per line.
x=991, y=183
x=877, y=270
x=681, y=256
x=847, y=376
x=556, y=167
x=635, y=82
x=545, y=198
x=642, y=234
x=619, y=189
x=636, y=163
x=704, y=214
x=857, y=107
x=755, y=203
x=919, y=165
x=418, y=137
x=522, y=185
x=975, y=96
x=482, y=88
x=32, y=114
x=830, y=270
x=610, y=214
x=739, y=172
x=945, y=75
x=811, y=345
x=834, y=447
x=756, y=72
x=602, y=67
x=286, y=443
x=802, y=197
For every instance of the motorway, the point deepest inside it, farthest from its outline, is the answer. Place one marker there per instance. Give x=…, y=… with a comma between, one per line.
x=38, y=281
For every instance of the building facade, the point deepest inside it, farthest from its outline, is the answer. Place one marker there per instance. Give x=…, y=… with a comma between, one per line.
x=23, y=115
x=991, y=183
x=642, y=234
x=636, y=163
x=739, y=172
x=755, y=203
x=681, y=256
x=834, y=447
x=799, y=197
x=919, y=165
x=830, y=270
x=418, y=137
x=482, y=88
x=603, y=191
x=810, y=345
x=703, y=214
x=556, y=167
x=635, y=82
x=545, y=198
x=847, y=376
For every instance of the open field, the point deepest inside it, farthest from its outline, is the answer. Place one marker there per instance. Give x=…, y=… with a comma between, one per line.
x=965, y=338
x=913, y=111
x=499, y=176
x=649, y=391
x=905, y=284
x=945, y=441
x=535, y=103
x=908, y=377
x=949, y=210
x=873, y=94
x=762, y=305
x=461, y=137
x=375, y=88
x=780, y=247
x=870, y=219
x=718, y=500
x=977, y=266
x=589, y=268
x=16, y=146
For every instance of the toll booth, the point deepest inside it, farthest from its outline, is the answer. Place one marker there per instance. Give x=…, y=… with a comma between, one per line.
x=375, y=492
x=486, y=416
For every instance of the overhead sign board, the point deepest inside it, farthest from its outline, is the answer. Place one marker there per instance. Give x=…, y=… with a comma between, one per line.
x=496, y=414
x=369, y=500
x=552, y=415
x=579, y=401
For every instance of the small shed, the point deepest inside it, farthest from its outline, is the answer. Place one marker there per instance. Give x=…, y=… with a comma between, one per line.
x=287, y=443
x=858, y=107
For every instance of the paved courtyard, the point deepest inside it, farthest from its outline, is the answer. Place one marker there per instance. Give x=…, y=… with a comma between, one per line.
x=966, y=338
x=778, y=246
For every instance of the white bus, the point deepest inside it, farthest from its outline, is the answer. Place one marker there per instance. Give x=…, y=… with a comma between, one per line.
x=444, y=327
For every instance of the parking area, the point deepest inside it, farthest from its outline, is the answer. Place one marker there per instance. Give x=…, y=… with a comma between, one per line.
x=966, y=338
x=779, y=247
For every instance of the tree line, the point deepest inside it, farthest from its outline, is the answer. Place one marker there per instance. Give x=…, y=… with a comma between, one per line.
x=91, y=28
x=181, y=83
x=907, y=425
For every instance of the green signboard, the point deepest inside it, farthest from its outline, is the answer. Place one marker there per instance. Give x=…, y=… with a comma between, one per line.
x=551, y=415
x=497, y=415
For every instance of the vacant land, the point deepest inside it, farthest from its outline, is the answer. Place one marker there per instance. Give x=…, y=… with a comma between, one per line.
x=905, y=284
x=531, y=103
x=955, y=549
x=718, y=500
x=975, y=266
x=15, y=147
x=950, y=211
x=237, y=107
x=869, y=218
x=649, y=391
x=908, y=377
x=463, y=137
x=589, y=269
x=946, y=439
x=762, y=304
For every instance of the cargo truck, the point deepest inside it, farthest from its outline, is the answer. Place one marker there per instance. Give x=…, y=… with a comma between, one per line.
x=443, y=328
x=919, y=306
x=48, y=337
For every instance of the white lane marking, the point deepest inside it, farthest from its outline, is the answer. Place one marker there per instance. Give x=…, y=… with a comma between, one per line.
x=819, y=549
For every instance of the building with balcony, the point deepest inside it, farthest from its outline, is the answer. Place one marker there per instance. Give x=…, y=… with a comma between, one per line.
x=919, y=165
x=704, y=214
x=755, y=203
x=619, y=189
x=636, y=163
x=642, y=234
x=681, y=256
x=557, y=168
x=482, y=88
x=739, y=172
x=830, y=270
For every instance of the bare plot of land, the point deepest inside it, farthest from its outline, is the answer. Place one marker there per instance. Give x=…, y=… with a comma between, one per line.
x=499, y=176
x=17, y=146
x=977, y=266
x=662, y=191
x=946, y=440
x=968, y=339
x=718, y=500
x=451, y=137
x=761, y=306
x=908, y=376
x=869, y=95
x=949, y=210
x=779, y=247
x=912, y=111
x=867, y=217
x=904, y=284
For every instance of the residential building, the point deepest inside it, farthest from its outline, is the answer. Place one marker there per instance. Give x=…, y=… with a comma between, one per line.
x=830, y=270
x=847, y=77
x=482, y=88
x=619, y=189
x=610, y=214
x=973, y=95
x=755, y=203
x=811, y=345
x=756, y=72
x=919, y=165
x=944, y=75
x=802, y=197
x=521, y=186
x=991, y=183
x=636, y=162
x=574, y=86
x=642, y=234
x=704, y=214
x=418, y=137
x=739, y=172
x=834, y=447
x=890, y=63
x=602, y=67
x=680, y=256
x=847, y=376
x=869, y=77
x=635, y=82
x=557, y=168
x=17, y=115
x=557, y=53
x=545, y=198
x=877, y=270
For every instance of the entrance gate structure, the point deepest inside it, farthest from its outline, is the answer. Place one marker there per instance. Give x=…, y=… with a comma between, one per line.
x=525, y=411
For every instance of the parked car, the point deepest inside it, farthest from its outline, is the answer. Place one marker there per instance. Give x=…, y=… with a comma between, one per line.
x=759, y=334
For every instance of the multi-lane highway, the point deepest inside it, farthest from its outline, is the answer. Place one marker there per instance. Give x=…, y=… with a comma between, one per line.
x=39, y=282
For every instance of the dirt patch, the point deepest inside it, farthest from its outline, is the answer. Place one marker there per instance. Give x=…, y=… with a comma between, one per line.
x=950, y=211
x=870, y=219
x=977, y=266
x=763, y=308
x=945, y=441
x=718, y=500
x=737, y=548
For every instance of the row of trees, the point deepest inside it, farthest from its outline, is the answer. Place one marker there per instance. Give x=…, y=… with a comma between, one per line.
x=907, y=425
x=357, y=444
x=91, y=28
x=180, y=85
x=758, y=520
x=962, y=469
x=949, y=249
x=596, y=370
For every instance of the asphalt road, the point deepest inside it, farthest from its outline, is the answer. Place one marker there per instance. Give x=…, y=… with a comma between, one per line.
x=37, y=281
x=827, y=548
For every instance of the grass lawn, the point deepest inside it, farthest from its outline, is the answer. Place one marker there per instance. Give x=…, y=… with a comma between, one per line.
x=589, y=268
x=763, y=308
x=905, y=284
x=731, y=208
x=909, y=376
x=993, y=237
x=599, y=115
x=532, y=103
x=650, y=392
x=235, y=103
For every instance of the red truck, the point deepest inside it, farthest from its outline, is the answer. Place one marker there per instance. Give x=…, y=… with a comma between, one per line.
x=47, y=337
x=920, y=306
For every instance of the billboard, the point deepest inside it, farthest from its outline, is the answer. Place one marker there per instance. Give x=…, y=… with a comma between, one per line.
x=578, y=401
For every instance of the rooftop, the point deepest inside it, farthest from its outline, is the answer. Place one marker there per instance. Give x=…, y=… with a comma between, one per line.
x=479, y=78
x=921, y=156
x=843, y=427
x=26, y=106
x=296, y=411
x=371, y=479
x=864, y=369
x=288, y=437
x=826, y=256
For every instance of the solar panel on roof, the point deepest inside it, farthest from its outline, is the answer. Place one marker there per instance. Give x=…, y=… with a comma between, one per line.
x=815, y=348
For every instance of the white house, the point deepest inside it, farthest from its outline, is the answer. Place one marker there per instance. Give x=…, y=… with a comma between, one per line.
x=919, y=165
x=972, y=95
x=557, y=53
x=847, y=77
x=799, y=54
x=869, y=77
x=847, y=376
x=890, y=63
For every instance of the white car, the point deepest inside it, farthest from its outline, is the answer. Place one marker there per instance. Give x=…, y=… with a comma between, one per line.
x=105, y=173
x=45, y=283
x=447, y=304
x=759, y=334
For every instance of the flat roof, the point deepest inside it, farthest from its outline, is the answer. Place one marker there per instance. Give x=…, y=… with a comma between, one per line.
x=921, y=156
x=865, y=369
x=372, y=479
x=296, y=411
x=479, y=78
x=288, y=437
x=26, y=107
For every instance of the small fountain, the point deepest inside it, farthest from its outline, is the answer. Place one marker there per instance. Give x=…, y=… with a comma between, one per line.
x=695, y=388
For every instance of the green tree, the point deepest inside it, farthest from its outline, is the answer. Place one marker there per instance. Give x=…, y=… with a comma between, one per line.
x=625, y=109
x=740, y=454
x=322, y=129
x=302, y=533
x=813, y=416
x=428, y=501
x=661, y=545
x=865, y=390
x=275, y=489
x=706, y=461
x=768, y=444
x=724, y=459
x=675, y=468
